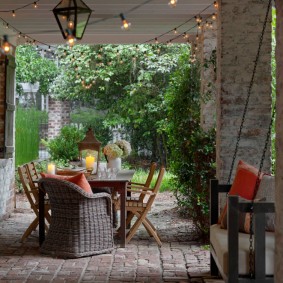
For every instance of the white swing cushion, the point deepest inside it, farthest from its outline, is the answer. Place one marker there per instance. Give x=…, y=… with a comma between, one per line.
x=219, y=244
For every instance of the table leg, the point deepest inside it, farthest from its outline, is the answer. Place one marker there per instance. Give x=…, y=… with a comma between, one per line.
x=41, y=216
x=123, y=217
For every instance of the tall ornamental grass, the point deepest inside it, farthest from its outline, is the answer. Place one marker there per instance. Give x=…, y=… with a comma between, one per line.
x=27, y=134
x=141, y=176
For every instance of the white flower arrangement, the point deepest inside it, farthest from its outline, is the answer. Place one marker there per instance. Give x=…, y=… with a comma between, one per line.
x=120, y=148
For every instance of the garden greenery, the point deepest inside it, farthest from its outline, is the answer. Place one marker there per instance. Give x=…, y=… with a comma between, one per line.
x=192, y=151
x=65, y=146
x=27, y=134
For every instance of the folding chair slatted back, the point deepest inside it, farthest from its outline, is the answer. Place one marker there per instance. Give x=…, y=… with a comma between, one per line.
x=28, y=174
x=140, y=209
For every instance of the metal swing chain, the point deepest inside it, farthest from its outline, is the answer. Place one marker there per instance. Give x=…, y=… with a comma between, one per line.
x=249, y=92
x=251, y=249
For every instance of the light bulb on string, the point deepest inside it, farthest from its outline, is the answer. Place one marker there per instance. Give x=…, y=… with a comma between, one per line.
x=213, y=16
x=35, y=5
x=172, y=3
x=199, y=26
x=19, y=35
x=197, y=37
x=156, y=40
x=125, y=24
x=13, y=13
x=185, y=35
x=175, y=31
x=215, y=4
x=7, y=25
x=6, y=47
x=207, y=24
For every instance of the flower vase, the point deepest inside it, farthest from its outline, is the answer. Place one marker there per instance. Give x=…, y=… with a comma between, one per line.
x=114, y=163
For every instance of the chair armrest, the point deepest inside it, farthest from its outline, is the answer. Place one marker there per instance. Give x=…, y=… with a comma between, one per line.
x=141, y=192
x=142, y=188
x=135, y=183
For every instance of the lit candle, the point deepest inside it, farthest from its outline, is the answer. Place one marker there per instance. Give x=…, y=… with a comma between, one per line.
x=51, y=168
x=89, y=162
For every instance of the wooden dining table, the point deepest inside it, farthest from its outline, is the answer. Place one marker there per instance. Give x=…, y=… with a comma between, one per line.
x=117, y=184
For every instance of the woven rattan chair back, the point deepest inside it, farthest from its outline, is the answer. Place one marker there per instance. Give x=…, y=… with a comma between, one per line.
x=81, y=223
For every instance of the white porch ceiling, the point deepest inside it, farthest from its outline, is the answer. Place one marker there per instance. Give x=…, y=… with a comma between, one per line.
x=148, y=21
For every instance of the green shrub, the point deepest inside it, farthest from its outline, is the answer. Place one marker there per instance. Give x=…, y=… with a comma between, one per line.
x=65, y=146
x=27, y=134
x=192, y=151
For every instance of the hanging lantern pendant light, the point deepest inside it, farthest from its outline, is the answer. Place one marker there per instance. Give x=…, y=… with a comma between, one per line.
x=72, y=17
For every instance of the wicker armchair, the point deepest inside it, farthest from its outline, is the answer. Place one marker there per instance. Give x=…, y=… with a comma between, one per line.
x=81, y=223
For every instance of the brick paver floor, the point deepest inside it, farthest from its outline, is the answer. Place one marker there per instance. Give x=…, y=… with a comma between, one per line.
x=180, y=259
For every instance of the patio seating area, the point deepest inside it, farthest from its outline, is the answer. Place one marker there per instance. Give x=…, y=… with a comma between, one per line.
x=180, y=259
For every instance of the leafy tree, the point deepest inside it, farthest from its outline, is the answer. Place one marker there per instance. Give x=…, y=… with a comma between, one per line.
x=192, y=149
x=32, y=68
x=126, y=82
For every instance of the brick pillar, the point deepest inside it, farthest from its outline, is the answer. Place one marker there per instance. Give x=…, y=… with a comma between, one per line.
x=7, y=192
x=207, y=48
x=239, y=27
x=2, y=104
x=58, y=116
x=279, y=147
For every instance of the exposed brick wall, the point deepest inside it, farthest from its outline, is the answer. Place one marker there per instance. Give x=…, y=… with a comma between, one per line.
x=239, y=27
x=207, y=43
x=2, y=104
x=6, y=187
x=7, y=192
x=279, y=146
x=58, y=116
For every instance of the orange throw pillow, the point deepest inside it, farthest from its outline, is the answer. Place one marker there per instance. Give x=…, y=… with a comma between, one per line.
x=243, y=184
x=79, y=179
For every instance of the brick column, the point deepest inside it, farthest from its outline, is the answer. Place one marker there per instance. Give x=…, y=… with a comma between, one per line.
x=58, y=116
x=7, y=191
x=239, y=27
x=2, y=104
x=207, y=48
x=279, y=147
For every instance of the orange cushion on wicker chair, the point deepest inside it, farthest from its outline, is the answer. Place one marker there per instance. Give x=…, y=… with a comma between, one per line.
x=79, y=179
x=243, y=185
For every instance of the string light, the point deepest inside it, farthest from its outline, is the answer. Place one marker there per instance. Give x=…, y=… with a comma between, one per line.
x=197, y=36
x=34, y=3
x=175, y=31
x=172, y=3
x=198, y=25
x=156, y=40
x=6, y=47
x=13, y=13
x=213, y=17
x=198, y=19
x=125, y=24
x=185, y=35
x=215, y=4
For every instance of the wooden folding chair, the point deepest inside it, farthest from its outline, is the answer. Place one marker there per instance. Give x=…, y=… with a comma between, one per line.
x=28, y=174
x=139, y=207
x=136, y=186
